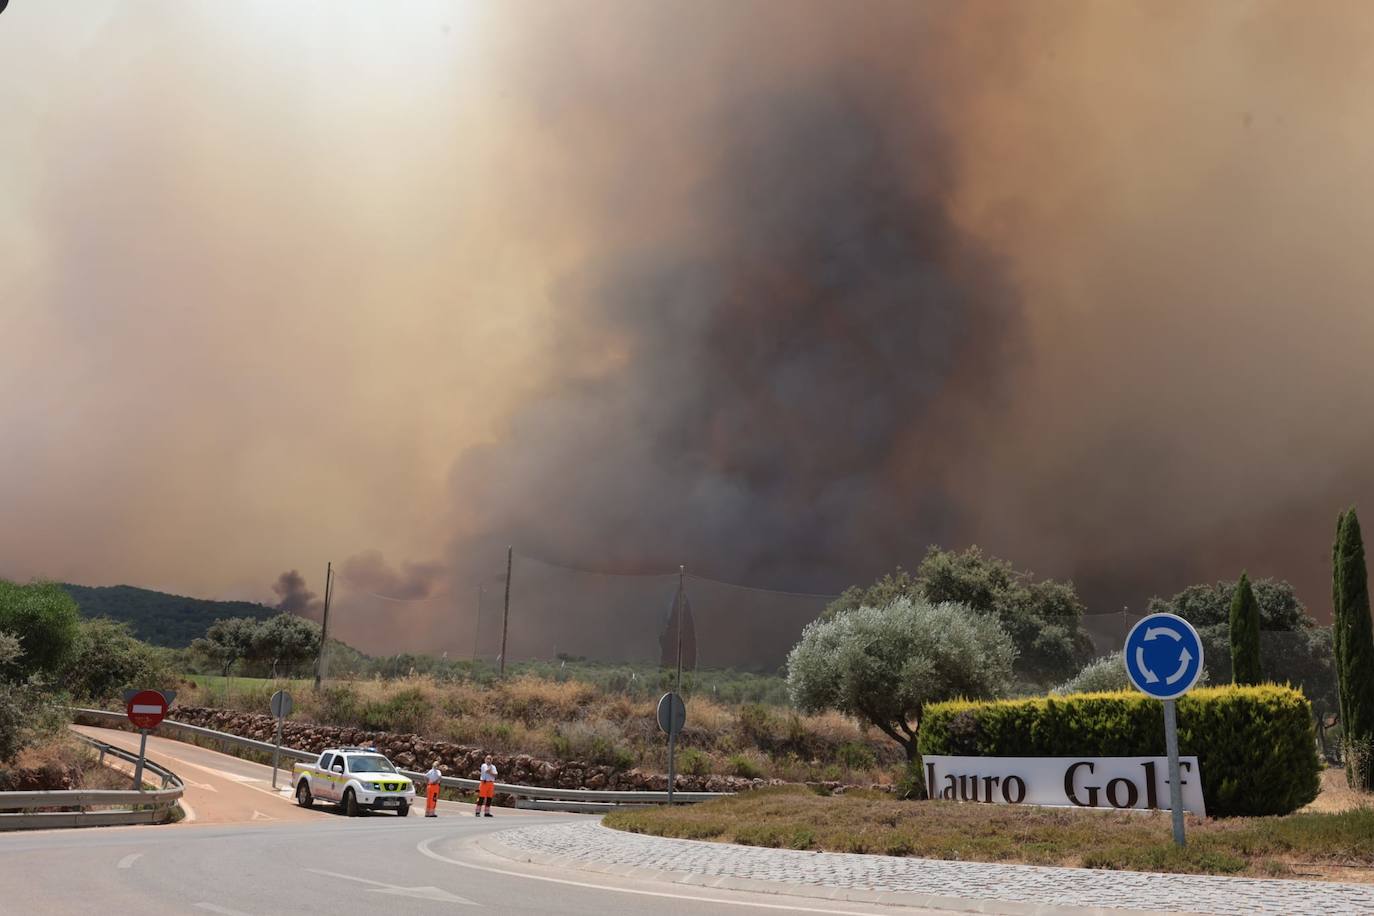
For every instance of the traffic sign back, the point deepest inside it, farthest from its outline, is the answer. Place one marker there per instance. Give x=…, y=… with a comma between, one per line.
x=146, y=709
x=672, y=713
x=281, y=704
x=1163, y=656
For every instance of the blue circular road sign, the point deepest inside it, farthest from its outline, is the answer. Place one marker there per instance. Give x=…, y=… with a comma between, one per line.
x=1163, y=656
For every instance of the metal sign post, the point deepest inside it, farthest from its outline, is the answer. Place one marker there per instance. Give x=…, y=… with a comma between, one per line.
x=1163, y=657
x=142, y=754
x=672, y=715
x=281, y=708
x=145, y=709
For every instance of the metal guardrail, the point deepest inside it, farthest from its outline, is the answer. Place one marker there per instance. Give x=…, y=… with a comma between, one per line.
x=145, y=807
x=452, y=782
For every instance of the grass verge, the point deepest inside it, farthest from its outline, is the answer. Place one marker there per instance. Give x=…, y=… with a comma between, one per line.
x=1309, y=845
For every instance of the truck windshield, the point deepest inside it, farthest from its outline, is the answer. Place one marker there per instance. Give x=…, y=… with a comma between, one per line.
x=370, y=764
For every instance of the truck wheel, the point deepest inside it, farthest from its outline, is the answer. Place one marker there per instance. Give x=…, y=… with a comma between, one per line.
x=403, y=810
x=350, y=803
x=303, y=797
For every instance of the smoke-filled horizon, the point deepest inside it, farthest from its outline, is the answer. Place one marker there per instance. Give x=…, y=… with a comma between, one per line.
x=782, y=291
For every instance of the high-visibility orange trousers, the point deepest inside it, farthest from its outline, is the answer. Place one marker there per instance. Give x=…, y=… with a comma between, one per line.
x=431, y=797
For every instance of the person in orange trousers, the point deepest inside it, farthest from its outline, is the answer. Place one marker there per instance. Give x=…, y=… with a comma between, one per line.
x=486, y=786
x=432, y=789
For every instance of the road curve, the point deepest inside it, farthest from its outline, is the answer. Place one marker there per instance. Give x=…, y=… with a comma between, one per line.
x=252, y=852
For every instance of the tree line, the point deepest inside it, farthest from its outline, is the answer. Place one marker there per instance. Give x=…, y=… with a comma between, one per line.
x=969, y=625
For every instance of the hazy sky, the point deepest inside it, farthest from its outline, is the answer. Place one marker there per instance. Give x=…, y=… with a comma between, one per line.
x=784, y=291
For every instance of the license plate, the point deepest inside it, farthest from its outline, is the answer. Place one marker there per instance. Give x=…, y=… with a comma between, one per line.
x=391, y=802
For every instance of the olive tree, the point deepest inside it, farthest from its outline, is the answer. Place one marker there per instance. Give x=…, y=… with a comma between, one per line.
x=884, y=665
x=227, y=641
x=285, y=641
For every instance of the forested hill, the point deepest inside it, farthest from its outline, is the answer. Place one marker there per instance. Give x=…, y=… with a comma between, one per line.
x=157, y=617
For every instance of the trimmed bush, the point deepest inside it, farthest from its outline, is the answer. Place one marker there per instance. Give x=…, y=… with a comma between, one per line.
x=1254, y=745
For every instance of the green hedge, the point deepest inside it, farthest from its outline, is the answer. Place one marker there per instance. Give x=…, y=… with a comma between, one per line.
x=1255, y=745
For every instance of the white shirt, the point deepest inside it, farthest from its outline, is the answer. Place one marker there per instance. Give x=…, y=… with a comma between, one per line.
x=433, y=775
x=488, y=773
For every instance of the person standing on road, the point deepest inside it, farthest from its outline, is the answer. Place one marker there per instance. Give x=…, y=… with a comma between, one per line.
x=432, y=789
x=486, y=786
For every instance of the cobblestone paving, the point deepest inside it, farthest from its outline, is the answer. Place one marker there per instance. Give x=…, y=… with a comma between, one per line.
x=1078, y=887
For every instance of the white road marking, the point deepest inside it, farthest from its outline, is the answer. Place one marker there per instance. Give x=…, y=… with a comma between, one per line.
x=222, y=910
x=129, y=860
x=423, y=847
x=423, y=893
x=259, y=816
x=200, y=785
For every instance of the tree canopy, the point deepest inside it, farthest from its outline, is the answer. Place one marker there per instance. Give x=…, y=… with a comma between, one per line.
x=279, y=645
x=1210, y=605
x=1043, y=617
x=1293, y=649
x=108, y=659
x=884, y=665
x=44, y=619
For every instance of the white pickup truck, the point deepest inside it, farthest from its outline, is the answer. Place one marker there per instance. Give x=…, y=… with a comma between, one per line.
x=354, y=778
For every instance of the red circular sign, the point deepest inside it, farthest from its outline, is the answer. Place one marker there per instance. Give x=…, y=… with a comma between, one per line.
x=146, y=708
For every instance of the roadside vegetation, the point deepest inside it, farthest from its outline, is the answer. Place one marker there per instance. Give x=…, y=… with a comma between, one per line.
x=1307, y=844
x=575, y=719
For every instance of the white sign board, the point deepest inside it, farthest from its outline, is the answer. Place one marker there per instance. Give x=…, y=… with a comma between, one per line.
x=1082, y=782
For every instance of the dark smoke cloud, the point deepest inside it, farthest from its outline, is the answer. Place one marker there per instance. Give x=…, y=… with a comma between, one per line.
x=370, y=572
x=294, y=597
x=782, y=290
x=834, y=327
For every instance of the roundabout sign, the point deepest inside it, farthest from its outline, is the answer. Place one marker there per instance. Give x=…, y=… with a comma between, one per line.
x=1163, y=656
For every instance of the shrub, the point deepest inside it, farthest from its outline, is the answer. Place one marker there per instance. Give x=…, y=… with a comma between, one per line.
x=27, y=716
x=44, y=618
x=107, y=659
x=1106, y=673
x=856, y=756
x=337, y=704
x=744, y=765
x=595, y=741
x=1254, y=745
x=693, y=762
x=406, y=710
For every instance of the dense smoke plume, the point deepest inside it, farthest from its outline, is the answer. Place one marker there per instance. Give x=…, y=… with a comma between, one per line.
x=294, y=597
x=782, y=291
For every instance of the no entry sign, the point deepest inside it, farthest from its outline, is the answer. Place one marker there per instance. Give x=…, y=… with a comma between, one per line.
x=146, y=708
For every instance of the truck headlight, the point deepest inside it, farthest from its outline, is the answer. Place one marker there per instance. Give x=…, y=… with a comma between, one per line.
x=374, y=786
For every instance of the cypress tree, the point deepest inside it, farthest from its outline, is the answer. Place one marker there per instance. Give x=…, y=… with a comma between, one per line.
x=1336, y=614
x=1355, y=660
x=1245, y=634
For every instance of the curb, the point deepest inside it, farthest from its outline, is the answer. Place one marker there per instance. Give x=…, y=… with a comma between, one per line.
x=492, y=844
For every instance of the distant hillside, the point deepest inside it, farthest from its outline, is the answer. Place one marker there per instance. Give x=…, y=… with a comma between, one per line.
x=157, y=617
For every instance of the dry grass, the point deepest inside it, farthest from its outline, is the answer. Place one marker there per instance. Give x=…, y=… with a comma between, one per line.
x=1334, y=845
x=64, y=762
x=572, y=719
x=1336, y=795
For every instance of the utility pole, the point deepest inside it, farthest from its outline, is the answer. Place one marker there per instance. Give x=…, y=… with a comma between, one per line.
x=681, y=612
x=324, y=625
x=505, y=620
x=477, y=631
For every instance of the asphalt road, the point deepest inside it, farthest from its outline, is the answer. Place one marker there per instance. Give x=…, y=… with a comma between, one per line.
x=247, y=851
